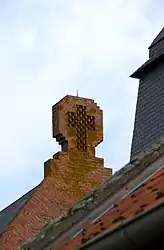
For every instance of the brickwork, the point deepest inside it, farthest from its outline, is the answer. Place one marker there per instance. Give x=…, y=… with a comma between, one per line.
x=78, y=123
x=79, y=134
x=69, y=174
x=78, y=127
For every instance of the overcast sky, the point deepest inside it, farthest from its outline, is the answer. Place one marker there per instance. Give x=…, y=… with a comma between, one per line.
x=50, y=48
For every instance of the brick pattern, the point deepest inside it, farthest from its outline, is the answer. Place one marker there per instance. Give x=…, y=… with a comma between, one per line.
x=149, y=118
x=79, y=173
x=82, y=123
x=79, y=122
x=69, y=175
x=139, y=200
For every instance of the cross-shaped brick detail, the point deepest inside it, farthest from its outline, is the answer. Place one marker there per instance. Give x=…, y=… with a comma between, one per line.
x=82, y=123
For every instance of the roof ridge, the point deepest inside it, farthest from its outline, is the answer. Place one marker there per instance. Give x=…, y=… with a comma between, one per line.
x=158, y=38
x=17, y=200
x=11, y=215
x=130, y=170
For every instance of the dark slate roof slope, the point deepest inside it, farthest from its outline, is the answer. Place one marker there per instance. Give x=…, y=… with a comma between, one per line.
x=148, y=65
x=8, y=213
x=158, y=38
x=153, y=60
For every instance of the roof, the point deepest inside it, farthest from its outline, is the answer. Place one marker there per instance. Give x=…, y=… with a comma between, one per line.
x=148, y=65
x=158, y=38
x=142, y=231
x=153, y=61
x=8, y=214
x=142, y=199
x=120, y=182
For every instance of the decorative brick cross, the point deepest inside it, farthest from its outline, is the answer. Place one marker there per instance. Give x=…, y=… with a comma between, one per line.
x=77, y=125
x=82, y=123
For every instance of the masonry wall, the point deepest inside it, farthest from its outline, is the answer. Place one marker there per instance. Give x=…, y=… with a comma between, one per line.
x=149, y=118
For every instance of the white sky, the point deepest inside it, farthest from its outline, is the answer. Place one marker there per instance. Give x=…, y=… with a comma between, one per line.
x=50, y=48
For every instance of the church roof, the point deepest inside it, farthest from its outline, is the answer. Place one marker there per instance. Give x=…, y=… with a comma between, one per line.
x=148, y=65
x=135, y=189
x=142, y=181
x=9, y=213
x=153, y=60
x=158, y=38
x=142, y=199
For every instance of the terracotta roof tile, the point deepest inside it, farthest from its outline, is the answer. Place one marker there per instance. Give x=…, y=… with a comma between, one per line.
x=142, y=199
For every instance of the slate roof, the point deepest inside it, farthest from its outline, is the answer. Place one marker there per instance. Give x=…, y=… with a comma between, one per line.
x=119, y=181
x=148, y=65
x=158, y=38
x=8, y=213
x=142, y=199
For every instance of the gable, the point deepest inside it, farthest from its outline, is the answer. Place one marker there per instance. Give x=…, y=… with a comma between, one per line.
x=47, y=202
x=8, y=214
x=68, y=175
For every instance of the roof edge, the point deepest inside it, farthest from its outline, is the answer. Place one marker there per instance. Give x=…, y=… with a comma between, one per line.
x=147, y=66
x=158, y=38
x=18, y=199
x=153, y=44
x=149, y=219
x=136, y=165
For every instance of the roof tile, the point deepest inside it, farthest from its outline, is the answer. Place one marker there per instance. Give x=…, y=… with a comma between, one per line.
x=142, y=199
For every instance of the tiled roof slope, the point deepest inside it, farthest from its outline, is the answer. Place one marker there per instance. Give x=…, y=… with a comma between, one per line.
x=140, y=200
x=9, y=213
x=83, y=208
